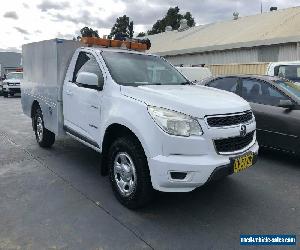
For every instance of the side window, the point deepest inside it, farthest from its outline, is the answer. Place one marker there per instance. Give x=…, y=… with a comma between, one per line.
x=281, y=71
x=87, y=63
x=261, y=92
x=228, y=84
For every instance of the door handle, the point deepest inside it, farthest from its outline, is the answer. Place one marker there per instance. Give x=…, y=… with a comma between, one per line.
x=69, y=93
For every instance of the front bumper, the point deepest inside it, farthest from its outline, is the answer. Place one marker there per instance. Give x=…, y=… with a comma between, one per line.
x=199, y=169
x=11, y=89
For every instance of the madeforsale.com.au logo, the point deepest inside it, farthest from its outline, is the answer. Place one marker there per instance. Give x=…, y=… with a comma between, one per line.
x=282, y=240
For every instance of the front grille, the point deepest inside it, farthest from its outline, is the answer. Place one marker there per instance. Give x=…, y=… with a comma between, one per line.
x=230, y=120
x=233, y=144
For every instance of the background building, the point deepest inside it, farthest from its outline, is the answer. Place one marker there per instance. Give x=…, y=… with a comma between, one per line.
x=272, y=36
x=9, y=61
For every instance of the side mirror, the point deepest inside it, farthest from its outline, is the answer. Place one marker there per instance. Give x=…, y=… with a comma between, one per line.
x=87, y=79
x=287, y=104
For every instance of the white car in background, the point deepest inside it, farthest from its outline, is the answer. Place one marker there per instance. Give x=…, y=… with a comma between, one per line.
x=1, y=82
x=286, y=70
x=11, y=85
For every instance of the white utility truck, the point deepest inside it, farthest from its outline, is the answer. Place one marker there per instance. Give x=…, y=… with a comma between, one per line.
x=155, y=129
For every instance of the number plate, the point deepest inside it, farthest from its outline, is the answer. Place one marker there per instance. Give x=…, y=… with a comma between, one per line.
x=243, y=162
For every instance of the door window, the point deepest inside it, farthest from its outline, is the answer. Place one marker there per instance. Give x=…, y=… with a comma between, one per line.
x=88, y=63
x=228, y=84
x=261, y=92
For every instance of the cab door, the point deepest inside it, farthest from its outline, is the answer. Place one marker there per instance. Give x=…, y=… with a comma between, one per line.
x=82, y=100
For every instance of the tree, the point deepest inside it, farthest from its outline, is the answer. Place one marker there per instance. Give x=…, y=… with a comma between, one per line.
x=157, y=27
x=122, y=26
x=88, y=32
x=190, y=19
x=130, y=29
x=172, y=18
x=141, y=34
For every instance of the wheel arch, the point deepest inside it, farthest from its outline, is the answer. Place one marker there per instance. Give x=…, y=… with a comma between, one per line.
x=112, y=132
x=34, y=106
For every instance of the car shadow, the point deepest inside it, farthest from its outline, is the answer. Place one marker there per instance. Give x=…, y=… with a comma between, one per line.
x=281, y=157
x=235, y=204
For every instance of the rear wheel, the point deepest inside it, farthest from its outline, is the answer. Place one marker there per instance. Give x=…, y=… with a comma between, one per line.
x=129, y=173
x=44, y=137
x=5, y=94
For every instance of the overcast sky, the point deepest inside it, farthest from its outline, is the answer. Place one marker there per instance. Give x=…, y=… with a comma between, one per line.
x=24, y=21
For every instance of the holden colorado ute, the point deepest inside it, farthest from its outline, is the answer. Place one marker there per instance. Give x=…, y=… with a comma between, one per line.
x=155, y=130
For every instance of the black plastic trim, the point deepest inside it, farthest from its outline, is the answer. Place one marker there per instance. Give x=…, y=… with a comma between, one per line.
x=222, y=171
x=81, y=137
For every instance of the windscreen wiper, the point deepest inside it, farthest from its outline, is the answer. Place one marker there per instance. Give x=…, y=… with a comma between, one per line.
x=186, y=83
x=154, y=83
x=147, y=83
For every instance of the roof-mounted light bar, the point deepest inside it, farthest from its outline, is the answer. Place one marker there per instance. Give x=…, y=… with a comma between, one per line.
x=133, y=44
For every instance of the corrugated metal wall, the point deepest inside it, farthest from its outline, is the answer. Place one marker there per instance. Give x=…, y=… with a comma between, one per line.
x=216, y=57
x=288, y=52
x=268, y=53
x=284, y=52
x=233, y=69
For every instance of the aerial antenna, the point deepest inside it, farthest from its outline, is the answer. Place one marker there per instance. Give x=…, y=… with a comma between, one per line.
x=261, y=6
x=236, y=5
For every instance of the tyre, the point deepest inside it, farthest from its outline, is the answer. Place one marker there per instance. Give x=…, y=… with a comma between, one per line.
x=129, y=173
x=44, y=137
x=12, y=94
x=5, y=94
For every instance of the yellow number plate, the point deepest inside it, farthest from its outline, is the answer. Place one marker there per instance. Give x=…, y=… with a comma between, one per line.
x=243, y=162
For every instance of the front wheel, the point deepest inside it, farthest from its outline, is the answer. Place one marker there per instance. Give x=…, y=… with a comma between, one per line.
x=44, y=137
x=5, y=94
x=129, y=173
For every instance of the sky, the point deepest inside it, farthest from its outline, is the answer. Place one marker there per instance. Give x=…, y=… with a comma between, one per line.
x=25, y=21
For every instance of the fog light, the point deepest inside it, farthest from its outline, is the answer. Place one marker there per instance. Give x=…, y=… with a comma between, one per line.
x=178, y=175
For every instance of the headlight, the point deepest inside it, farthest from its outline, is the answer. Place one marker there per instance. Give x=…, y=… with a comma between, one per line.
x=175, y=123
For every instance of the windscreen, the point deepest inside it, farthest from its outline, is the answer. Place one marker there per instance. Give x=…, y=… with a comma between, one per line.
x=15, y=76
x=291, y=87
x=291, y=72
x=135, y=69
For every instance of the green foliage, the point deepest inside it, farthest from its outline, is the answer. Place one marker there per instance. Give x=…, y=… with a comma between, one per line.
x=141, y=34
x=172, y=18
x=190, y=19
x=130, y=29
x=123, y=26
x=88, y=32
